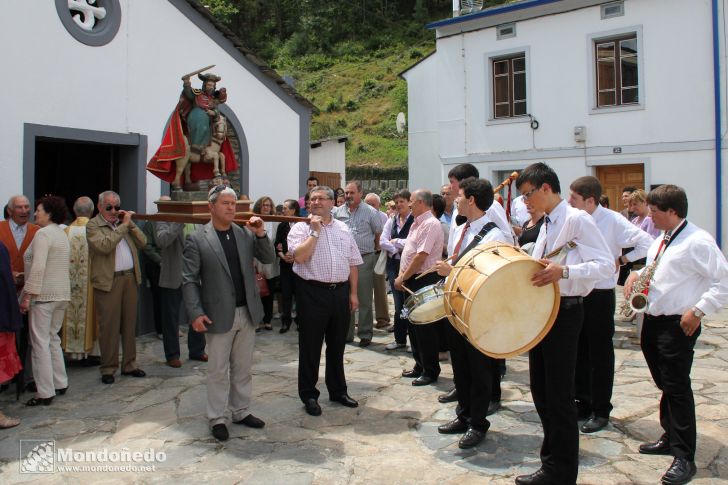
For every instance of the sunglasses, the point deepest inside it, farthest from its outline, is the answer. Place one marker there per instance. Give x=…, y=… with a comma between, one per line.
x=117, y=208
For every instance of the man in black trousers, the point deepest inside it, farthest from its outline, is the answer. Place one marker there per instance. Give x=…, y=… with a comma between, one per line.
x=325, y=263
x=552, y=362
x=690, y=280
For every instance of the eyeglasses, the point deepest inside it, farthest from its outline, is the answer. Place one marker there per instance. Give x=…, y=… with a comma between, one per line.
x=117, y=208
x=528, y=194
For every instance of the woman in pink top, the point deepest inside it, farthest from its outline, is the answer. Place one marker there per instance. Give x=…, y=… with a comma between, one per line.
x=638, y=206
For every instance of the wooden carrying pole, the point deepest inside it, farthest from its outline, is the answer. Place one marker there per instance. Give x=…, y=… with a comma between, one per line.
x=240, y=218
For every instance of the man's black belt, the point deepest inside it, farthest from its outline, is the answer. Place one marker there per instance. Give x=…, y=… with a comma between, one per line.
x=663, y=318
x=602, y=290
x=328, y=286
x=124, y=272
x=568, y=302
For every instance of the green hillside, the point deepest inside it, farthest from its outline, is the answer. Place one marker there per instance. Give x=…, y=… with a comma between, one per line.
x=345, y=57
x=359, y=94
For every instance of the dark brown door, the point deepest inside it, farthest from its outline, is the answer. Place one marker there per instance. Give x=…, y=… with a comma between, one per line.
x=330, y=179
x=615, y=177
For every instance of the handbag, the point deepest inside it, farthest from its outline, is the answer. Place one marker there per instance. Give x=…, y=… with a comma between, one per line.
x=262, y=284
x=380, y=267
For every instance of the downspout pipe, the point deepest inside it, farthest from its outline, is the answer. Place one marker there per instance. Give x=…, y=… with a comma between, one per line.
x=718, y=127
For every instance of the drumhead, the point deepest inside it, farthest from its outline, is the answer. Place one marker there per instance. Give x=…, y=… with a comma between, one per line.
x=509, y=315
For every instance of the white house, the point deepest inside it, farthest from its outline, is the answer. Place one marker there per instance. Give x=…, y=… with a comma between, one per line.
x=633, y=92
x=327, y=160
x=88, y=99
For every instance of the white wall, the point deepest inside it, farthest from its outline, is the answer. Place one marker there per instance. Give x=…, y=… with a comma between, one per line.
x=131, y=85
x=676, y=92
x=330, y=156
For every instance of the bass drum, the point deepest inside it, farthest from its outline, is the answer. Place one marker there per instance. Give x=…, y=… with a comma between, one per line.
x=489, y=299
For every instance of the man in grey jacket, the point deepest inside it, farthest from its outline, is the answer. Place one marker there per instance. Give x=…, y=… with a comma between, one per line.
x=222, y=299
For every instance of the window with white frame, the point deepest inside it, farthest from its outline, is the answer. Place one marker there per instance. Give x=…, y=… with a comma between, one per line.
x=509, y=86
x=617, y=71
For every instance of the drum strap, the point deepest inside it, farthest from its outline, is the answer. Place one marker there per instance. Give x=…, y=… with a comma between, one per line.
x=476, y=240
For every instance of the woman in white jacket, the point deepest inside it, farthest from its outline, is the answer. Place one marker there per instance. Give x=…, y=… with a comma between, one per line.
x=46, y=294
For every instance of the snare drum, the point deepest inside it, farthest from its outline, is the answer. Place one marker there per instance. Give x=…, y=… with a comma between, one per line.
x=426, y=305
x=489, y=299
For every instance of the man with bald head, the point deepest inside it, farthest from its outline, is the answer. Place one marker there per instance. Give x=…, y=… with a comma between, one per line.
x=80, y=331
x=113, y=240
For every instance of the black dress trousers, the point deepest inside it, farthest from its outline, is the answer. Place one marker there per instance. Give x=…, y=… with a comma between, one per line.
x=425, y=339
x=669, y=355
x=595, y=360
x=323, y=315
x=552, y=365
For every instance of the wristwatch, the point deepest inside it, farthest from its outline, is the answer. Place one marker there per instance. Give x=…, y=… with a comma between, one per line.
x=313, y=233
x=698, y=313
x=565, y=273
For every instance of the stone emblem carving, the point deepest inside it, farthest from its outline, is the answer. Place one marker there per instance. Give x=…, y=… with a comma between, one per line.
x=87, y=13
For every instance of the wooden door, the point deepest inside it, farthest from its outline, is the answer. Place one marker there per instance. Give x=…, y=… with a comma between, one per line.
x=330, y=179
x=614, y=178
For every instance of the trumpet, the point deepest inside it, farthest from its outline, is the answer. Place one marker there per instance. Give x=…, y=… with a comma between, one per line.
x=637, y=301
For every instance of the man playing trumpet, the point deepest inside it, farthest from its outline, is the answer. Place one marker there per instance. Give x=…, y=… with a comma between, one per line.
x=690, y=280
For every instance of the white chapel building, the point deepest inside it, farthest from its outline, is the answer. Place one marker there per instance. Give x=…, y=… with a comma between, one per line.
x=632, y=92
x=91, y=85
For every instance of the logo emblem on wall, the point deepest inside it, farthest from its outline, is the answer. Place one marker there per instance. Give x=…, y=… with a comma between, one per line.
x=91, y=22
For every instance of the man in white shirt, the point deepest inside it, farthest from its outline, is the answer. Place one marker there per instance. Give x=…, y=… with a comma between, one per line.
x=477, y=377
x=595, y=359
x=690, y=280
x=552, y=362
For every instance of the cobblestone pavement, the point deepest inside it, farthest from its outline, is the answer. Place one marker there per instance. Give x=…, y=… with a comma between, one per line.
x=390, y=439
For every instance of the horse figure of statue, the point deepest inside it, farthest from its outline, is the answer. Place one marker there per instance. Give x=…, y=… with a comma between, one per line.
x=211, y=154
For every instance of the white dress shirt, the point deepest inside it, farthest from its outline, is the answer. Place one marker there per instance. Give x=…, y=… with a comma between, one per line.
x=19, y=232
x=497, y=215
x=589, y=262
x=475, y=227
x=619, y=233
x=692, y=272
x=395, y=247
x=519, y=210
x=123, y=259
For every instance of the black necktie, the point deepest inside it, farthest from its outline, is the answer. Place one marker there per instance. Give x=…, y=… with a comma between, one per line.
x=546, y=222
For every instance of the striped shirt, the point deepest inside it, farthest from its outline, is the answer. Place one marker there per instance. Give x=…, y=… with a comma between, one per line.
x=425, y=236
x=334, y=254
x=364, y=223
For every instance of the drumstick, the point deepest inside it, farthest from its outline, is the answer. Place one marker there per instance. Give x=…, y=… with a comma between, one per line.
x=408, y=290
x=431, y=269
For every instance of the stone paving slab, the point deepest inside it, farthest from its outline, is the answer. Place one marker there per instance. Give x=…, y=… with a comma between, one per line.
x=390, y=439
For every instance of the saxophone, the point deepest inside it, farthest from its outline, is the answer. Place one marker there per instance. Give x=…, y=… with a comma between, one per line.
x=637, y=301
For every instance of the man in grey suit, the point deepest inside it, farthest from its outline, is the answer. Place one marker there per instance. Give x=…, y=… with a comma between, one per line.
x=222, y=299
x=170, y=238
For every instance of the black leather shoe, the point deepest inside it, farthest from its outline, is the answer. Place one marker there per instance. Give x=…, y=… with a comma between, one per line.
x=450, y=396
x=312, y=407
x=365, y=342
x=107, y=378
x=135, y=373
x=540, y=477
x=220, y=432
x=681, y=471
x=345, y=400
x=493, y=407
x=594, y=424
x=412, y=374
x=471, y=438
x=62, y=391
x=251, y=421
x=456, y=426
x=285, y=327
x=423, y=381
x=659, y=447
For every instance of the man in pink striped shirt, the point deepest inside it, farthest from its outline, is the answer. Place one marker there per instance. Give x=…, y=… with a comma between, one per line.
x=325, y=263
x=422, y=250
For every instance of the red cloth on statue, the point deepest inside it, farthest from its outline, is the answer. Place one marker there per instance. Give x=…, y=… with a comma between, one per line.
x=163, y=165
x=9, y=360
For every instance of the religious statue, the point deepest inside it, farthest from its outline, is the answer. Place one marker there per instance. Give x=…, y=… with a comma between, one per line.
x=195, y=142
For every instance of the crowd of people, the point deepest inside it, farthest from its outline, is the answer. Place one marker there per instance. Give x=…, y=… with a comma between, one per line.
x=72, y=290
